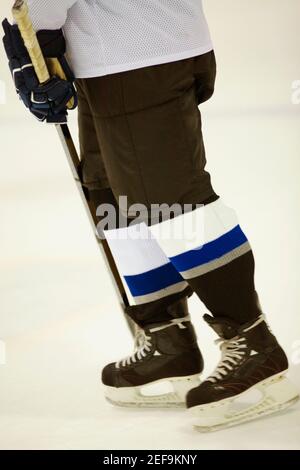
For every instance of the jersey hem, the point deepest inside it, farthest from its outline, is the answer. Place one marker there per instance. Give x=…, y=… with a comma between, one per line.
x=101, y=71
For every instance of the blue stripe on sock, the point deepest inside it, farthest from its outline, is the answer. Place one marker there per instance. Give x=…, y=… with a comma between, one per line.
x=210, y=251
x=153, y=281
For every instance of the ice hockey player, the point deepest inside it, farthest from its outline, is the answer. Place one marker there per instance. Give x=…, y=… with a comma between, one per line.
x=142, y=69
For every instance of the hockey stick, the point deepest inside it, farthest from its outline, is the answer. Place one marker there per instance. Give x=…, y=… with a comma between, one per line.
x=21, y=15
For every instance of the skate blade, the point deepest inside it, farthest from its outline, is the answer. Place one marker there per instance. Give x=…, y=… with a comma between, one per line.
x=138, y=397
x=277, y=392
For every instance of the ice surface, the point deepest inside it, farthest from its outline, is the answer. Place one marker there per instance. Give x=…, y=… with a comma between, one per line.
x=59, y=318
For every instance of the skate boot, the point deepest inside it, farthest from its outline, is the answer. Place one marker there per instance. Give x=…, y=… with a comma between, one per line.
x=252, y=363
x=165, y=352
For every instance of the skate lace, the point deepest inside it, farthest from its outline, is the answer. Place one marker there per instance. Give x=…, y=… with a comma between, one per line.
x=142, y=346
x=143, y=343
x=232, y=353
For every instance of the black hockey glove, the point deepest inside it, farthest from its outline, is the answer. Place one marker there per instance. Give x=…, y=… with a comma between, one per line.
x=47, y=102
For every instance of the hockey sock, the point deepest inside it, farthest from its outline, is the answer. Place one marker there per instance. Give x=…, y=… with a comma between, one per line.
x=147, y=271
x=161, y=310
x=211, y=252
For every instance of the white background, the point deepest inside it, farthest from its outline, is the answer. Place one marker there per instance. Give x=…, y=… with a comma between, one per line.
x=59, y=318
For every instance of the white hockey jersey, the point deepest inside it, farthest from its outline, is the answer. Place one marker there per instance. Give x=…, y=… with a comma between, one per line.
x=109, y=36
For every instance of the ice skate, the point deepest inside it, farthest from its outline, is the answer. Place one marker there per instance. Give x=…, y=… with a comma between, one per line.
x=164, y=354
x=252, y=363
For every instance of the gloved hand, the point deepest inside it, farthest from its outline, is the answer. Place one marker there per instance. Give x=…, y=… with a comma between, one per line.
x=47, y=102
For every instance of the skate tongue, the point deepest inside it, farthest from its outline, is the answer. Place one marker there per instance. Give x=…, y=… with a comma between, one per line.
x=224, y=328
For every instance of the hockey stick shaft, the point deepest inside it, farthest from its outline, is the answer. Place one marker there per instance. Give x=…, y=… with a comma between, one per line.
x=74, y=163
x=21, y=15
